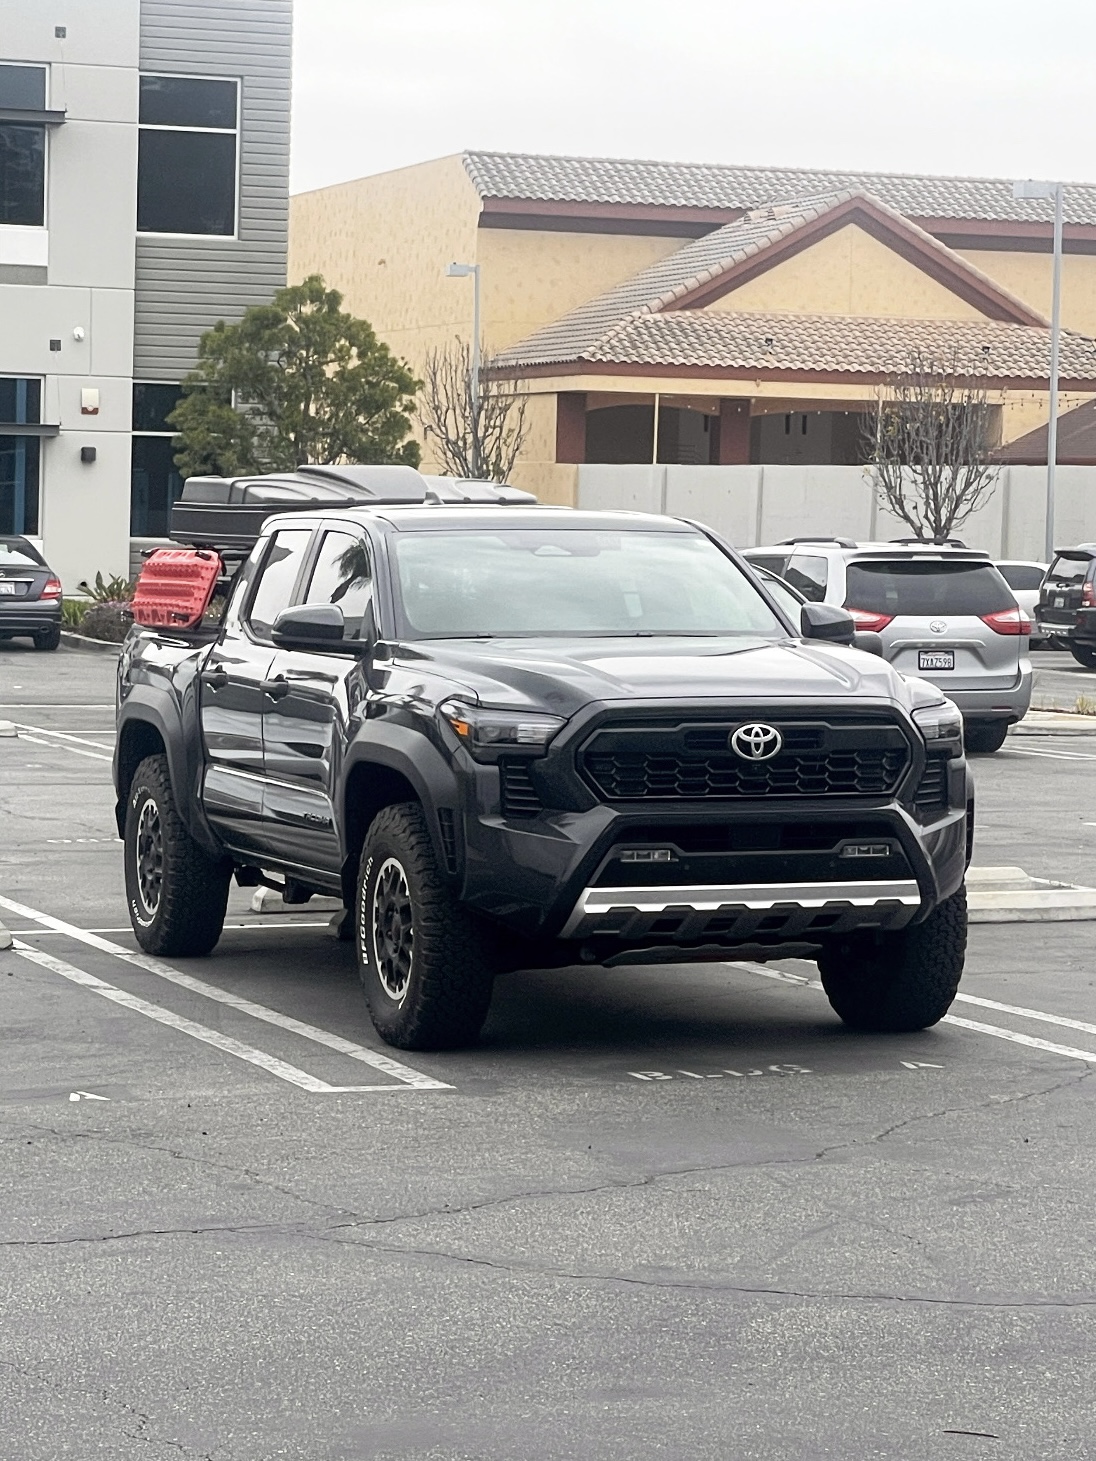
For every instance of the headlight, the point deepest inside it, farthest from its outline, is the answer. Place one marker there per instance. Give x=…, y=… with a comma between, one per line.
x=487, y=731
x=941, y=722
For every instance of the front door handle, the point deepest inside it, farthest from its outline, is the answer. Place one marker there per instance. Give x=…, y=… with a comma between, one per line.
x=214, y=679
x=277, y=689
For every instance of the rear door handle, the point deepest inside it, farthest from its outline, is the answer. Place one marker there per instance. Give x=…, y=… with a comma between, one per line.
x=277, y=689
x=215, y=679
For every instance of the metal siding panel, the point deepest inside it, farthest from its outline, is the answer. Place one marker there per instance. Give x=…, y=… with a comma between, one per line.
x=184, y=286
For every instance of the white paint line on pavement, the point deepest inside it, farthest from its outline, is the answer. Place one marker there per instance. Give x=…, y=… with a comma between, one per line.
x=50, y=705
x=1053, y=755
x=414, y=1079
x=284, y=927
x=72, y=750
x=976, y=1025
x=270, y=1063
x=41, y=730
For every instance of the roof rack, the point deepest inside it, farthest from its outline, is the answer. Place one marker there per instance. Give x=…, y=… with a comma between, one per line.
x=817, y=538
x=927, y=543
x=228, y=513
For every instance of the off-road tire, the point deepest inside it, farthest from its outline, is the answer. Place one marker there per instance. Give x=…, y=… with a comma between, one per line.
x=186, y=919
x=451, y=962
x=985, y=736
x=898, y=981
x=1084, y=655
x=48, y=638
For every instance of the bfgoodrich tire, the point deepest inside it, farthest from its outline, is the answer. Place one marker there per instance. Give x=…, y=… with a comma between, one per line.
x=426, y=965
x=898, y=981
x=177, y=895
x=985, y=736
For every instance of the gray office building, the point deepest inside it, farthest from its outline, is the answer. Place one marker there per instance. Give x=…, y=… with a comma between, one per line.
x=144, y=161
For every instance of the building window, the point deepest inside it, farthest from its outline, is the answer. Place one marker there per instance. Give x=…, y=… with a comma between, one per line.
x=22, y=147
x=187, y=159
x=20, y=456
x=155, y=482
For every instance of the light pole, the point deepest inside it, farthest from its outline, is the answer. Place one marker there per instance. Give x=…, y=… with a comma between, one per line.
x=1050, y=190
x=461, y=271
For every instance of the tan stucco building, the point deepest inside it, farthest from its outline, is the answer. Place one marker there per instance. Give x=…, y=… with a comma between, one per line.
x=708, y=314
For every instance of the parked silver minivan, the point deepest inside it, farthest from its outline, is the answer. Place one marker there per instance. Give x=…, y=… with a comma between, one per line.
x=943, y=613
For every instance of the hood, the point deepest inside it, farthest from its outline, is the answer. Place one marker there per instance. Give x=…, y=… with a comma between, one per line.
x=563, y=675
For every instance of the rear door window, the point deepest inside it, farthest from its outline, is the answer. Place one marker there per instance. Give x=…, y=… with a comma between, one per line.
x=807, y=573
x=1021, y=575
x=927, y=588
x=774, y=562
x=279, y=574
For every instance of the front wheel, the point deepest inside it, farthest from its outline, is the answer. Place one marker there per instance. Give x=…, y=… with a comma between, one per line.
x=426, y=964
x=985, y=736
x=1084, y=654
x=898, y=981
x=177, y=894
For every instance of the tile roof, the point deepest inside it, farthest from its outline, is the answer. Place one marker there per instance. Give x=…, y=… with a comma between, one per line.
x=525, y=176
x=578, y=334
x=1076, y=440
x=839, y=344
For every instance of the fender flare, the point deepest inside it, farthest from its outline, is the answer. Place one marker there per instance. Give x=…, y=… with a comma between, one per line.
x=404, y=750
x=147, y=706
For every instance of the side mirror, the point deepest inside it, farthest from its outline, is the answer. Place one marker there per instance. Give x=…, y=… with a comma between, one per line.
x=868, y=641
x=828, y=622
x=309, y=626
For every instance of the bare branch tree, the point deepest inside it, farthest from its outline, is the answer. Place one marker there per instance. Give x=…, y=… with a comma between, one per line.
x=928, y=440
x=471, y=438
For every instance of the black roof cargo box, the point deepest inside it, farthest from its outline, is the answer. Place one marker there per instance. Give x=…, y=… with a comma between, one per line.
x=228, y=513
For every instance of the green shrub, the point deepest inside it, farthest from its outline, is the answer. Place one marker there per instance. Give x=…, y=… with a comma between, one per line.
x=107, y=621
x=107, y=590
x=72, y=612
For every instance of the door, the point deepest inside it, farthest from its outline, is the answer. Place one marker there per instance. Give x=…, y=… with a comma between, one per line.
x=320, y=696
x=234, y=693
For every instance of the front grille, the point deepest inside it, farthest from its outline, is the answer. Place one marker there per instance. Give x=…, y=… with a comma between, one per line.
x=519, y=796
x=819, y=758
x=932, y=789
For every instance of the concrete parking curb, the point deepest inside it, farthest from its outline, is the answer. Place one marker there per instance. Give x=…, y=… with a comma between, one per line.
x=1054, y=723
x=80, y=641
x=1009, y=895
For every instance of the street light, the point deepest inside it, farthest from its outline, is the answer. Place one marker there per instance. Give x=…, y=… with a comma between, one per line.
x=1050, y=190
x=461, y=271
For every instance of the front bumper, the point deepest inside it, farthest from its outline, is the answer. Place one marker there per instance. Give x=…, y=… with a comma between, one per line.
x=739, y=913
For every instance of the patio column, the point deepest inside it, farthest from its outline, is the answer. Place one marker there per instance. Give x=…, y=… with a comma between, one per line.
x=571, y=426
x=734, y=431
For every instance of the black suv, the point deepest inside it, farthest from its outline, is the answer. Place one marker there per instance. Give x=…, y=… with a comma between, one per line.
x=516, y=736
x=1067, y=602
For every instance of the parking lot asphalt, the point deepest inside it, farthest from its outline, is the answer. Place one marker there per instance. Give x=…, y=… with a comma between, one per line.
x=1059, y=680
x=658, y=1213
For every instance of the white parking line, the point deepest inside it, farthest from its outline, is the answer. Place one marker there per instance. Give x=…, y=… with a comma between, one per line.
x=976, y=1025
x=42, y=730
x=72, y=750
x=1054, y=755
x=270, y=1063
x=413, y=1079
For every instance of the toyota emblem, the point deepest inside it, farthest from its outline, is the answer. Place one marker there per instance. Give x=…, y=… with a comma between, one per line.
x=756, y=742
x=938, y=626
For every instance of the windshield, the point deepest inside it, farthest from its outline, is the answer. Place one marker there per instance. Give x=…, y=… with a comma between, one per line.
x=18, y=553
x=926, y=588
x=529, y=581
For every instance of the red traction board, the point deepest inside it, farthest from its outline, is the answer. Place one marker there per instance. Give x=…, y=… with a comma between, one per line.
x=175, y=587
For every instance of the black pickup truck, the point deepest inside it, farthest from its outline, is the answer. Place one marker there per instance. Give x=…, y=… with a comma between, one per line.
x=514, y=736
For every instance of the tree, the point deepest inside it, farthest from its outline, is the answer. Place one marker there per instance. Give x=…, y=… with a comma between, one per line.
x=297, y=380
x=473, y=436
x=928, y=440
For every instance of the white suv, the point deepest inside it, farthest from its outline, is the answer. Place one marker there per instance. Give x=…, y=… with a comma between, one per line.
x=943, y=613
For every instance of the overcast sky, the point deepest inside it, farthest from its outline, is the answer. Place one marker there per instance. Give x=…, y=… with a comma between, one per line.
x=945, y=86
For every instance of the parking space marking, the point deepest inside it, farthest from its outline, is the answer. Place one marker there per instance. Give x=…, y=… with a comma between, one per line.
x=270, y=1063
x=42, y=730
x=1054, y=755
x=72, y=750
x=411, y=1079
x=975, y=1025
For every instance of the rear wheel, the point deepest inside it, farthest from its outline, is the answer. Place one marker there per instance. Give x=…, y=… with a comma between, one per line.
x=426, y=964
x=985, y=736
x=177, y=894
x=1084, y=654
x=898, y=981
x=48, y=638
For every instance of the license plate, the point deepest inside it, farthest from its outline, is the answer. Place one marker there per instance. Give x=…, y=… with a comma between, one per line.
x=7, y=588
x=936, y=659
x=1059, y=602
